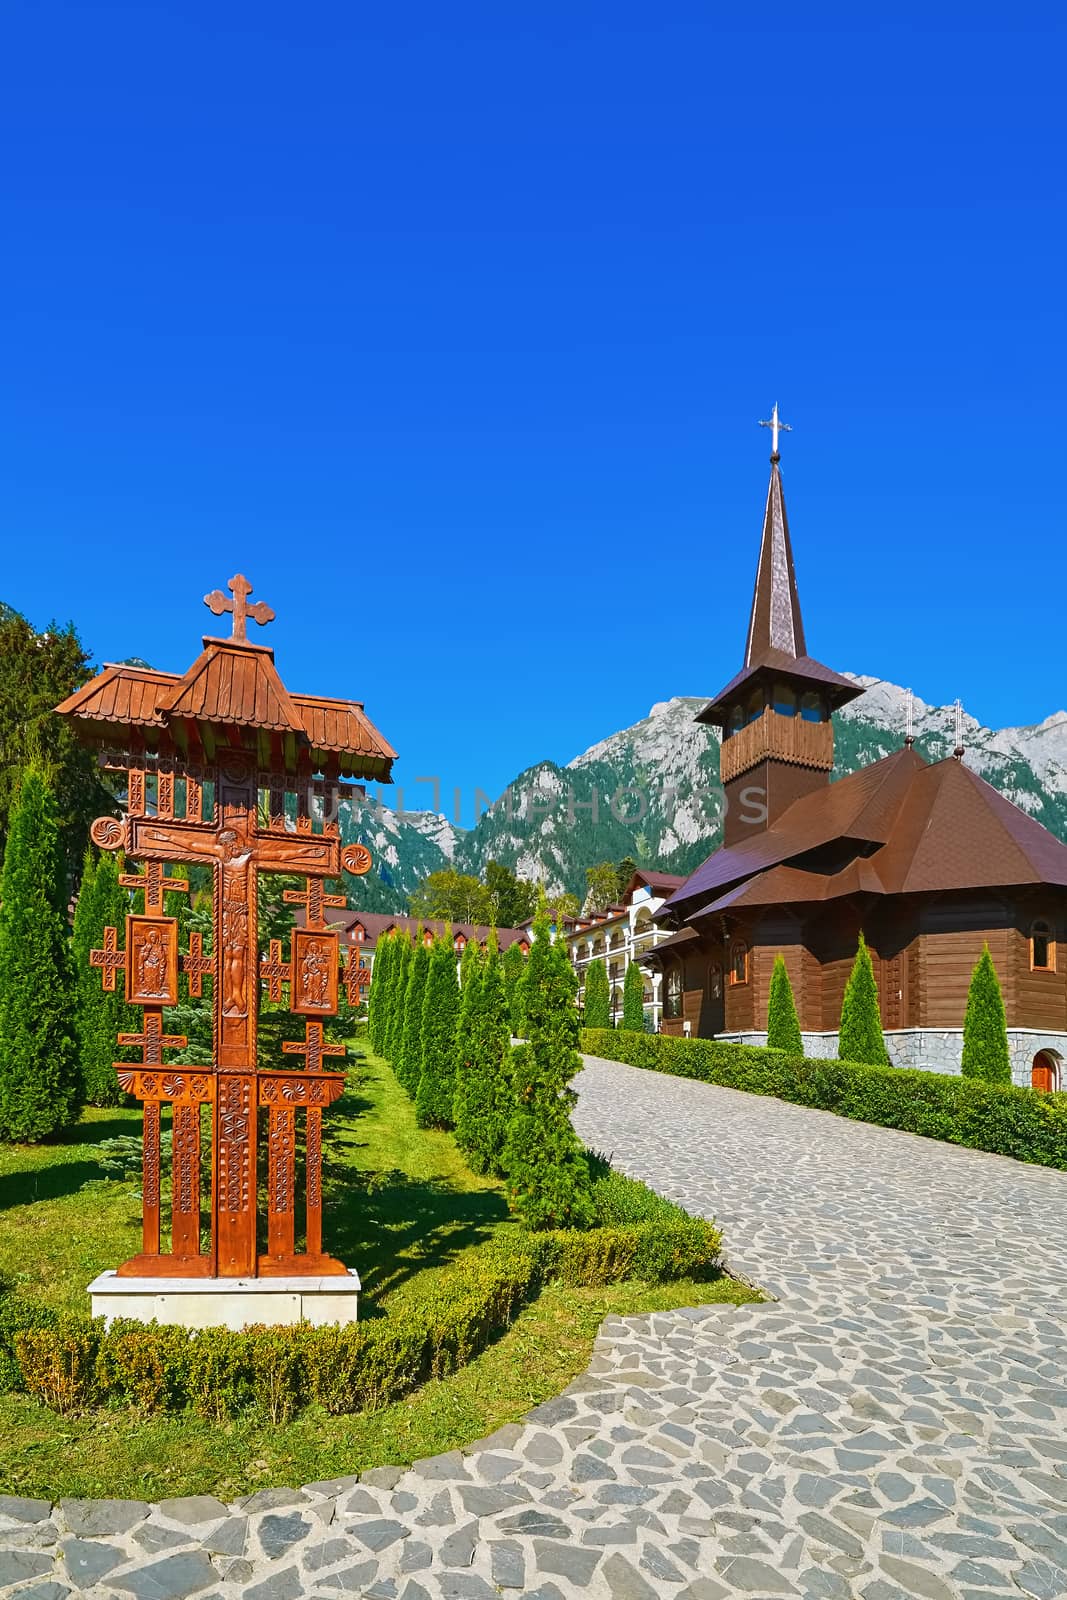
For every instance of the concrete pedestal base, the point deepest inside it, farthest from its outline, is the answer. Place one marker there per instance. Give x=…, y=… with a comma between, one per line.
x=227, y=1302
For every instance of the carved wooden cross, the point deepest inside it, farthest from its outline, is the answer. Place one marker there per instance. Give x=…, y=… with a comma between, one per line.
x=314, y=1046
x=240, y=588
x=197, y=965
x=155, y=884
x=274, y=970
x=111, y=958
x=315, y=899
x=357, y=979
x=153, y=1040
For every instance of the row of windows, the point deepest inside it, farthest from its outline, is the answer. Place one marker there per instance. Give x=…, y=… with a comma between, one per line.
x=784, y=699
x=1042, y=959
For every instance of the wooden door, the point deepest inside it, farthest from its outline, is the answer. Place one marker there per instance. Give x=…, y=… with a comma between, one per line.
x=893, y=998
x=1043, y=1073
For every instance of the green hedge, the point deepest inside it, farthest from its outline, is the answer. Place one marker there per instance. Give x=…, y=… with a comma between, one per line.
x=1021, y=1123
x=72, y=1363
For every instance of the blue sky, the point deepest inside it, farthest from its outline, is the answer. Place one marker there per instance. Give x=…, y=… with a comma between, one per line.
x=451, y=327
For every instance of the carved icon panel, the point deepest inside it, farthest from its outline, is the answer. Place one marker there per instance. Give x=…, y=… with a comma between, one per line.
x=152, y=961
x=313, y=982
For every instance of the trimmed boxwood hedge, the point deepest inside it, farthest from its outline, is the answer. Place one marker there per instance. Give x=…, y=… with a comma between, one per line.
x=433, y=1328
x=1022, y=1123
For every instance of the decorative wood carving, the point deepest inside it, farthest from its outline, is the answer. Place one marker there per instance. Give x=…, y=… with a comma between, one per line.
x=152, y=961
x=217, y=741
x=110, y=958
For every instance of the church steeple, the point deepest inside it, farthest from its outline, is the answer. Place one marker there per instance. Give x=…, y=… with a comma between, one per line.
x=775, y=623
x=777, y=736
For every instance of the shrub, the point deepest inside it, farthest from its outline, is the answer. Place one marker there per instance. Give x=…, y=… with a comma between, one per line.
x=40, y=1079
x=783, y=1025
x=377, y=1000
x=513, y=963
x=545, y=1166
x=440, y=1015
x=402, y=959
x=633, y=999
x=861, y=1037
x=467, y=1092
x=407, y=1026
x=985, y=1027
x=434, y=1327
x=58, y=1363
x=1022, y=1123
x=483, y=1095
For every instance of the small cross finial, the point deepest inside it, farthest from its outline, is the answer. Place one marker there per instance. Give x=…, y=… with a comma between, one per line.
x=909, y=719
x=960, y=746
x=240, y=588
x=776, y=426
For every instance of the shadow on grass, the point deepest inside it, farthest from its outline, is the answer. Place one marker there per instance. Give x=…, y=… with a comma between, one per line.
x=393, y=1226
x=46, y=1183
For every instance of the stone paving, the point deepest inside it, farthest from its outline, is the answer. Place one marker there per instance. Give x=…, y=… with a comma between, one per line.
x=893, y=1426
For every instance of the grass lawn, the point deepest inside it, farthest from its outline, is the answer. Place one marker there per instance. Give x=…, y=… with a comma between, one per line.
x=402, y=1203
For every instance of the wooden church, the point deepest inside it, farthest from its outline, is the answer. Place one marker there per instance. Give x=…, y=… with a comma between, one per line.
x=926, y=858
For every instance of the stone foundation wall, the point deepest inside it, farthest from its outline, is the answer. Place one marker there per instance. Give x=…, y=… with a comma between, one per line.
x=937, y=1049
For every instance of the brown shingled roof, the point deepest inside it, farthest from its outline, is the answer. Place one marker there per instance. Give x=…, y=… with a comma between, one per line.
x=375, y=923
x=902, y=826
x=232, y=682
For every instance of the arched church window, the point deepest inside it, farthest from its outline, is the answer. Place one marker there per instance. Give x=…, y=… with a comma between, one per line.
x=785, y=700
x=1042, y=948
x=739, y=963
x=737, y=718
x=672, y=1000
x=755, y=705
x=812, y=708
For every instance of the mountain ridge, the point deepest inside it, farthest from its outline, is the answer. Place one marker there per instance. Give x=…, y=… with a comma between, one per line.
x=652, y=791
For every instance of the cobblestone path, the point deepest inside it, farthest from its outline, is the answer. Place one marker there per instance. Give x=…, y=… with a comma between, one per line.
x=895, y=1425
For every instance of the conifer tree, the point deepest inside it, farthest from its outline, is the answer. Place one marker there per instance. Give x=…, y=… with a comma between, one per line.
x=597, y=995
x=466, y=1094
x=407, y=1062
x=985, y=1028
x=440, y=1015
x=378, y=1000
x=861, y=1036
x=40, y=1079
x=633, y=999
x=398, y=991
x=513, y=966
x=783, y=1024
x=546, y=1168
x=102, y=1014
x=493, y=1055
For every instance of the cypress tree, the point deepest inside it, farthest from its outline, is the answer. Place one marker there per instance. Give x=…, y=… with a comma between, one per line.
x=440, y=1016
x=398, y=989
x=102, y=1014
x=633, y=999
x=783, y=1025
x=985, y=1027
x=597, y=995
x=547, y=1169
x=466, y=1096
x=407, y=1061
x=513, y=965
x=861, y=1037
x=40, y=1079
x=377, y=1002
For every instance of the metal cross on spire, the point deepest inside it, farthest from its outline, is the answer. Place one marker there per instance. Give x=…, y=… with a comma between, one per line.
x=240, y=588
x=776, y=427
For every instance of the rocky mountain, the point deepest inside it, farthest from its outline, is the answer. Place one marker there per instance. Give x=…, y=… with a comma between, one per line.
x=652, y=791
